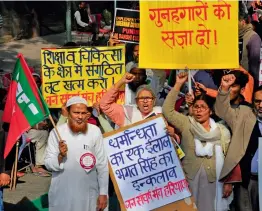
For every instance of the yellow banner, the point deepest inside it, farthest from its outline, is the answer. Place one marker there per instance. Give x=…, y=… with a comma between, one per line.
x=196, y=34
x=87, y=72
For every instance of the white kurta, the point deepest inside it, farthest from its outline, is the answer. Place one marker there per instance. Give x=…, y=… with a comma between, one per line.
x=72, y=187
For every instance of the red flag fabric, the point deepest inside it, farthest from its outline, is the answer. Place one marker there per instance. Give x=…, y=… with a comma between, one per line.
x=25, y=106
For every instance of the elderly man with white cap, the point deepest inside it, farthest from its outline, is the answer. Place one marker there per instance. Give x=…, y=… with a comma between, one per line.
x=78, y=163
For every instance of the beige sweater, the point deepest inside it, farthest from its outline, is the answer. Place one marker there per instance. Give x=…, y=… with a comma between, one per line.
x=191, y=163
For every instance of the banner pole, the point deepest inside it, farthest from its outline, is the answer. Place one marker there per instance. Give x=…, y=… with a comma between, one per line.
x=12, y=177
x=14, y=169
x=189, y=82
x=53, y=123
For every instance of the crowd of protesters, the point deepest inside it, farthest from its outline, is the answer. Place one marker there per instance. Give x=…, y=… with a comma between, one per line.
x=217, y=124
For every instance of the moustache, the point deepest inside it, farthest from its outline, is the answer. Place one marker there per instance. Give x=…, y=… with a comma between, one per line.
x=78, y=121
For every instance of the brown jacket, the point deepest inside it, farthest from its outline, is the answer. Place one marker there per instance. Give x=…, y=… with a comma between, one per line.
x=241, y=120
x=191, y=163
x=246, y=38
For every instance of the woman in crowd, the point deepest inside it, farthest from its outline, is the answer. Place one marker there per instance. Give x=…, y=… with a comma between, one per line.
x=204, y=143
x=128, y=114
x=123, y=115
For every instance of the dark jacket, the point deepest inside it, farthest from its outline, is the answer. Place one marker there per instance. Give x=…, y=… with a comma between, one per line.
x=250, y=44
x=84, y=17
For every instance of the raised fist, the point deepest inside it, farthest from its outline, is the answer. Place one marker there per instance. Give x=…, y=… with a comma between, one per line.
x=127, y=78
x=181, y=78
x=228, y=80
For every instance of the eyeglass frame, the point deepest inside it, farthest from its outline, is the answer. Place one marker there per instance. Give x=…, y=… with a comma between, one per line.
x=142, y=99
x=201, y=108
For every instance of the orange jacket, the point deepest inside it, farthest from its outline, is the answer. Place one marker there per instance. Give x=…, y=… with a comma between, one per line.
x=248, y=92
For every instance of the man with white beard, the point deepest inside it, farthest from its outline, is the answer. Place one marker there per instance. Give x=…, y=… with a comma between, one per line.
x=78, y=163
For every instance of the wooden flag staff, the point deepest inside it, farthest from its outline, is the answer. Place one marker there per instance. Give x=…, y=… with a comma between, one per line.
x=53, y=123
x=14, y=168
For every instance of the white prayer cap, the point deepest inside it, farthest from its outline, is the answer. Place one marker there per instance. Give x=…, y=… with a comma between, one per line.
x=37, y=75
x=130, y=66
x=76, y=100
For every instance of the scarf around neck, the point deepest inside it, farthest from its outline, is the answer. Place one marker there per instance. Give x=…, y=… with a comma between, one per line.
x=243, y=30
x=202, y=135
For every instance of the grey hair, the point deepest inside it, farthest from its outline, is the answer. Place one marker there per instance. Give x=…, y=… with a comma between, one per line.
x=147, y=88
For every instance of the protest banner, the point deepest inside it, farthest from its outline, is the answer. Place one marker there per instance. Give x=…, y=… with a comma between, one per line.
x=87, y=72
x=192, y=34
x=145, y=169
x=126, y=26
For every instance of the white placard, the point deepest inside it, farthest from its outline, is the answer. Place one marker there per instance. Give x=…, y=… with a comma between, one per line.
x=147, y=170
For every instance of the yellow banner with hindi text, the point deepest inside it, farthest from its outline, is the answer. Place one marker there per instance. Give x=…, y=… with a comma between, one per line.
x=87, y=72
x=193, y=34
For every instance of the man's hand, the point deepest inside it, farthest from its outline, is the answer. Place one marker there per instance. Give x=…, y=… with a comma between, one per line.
x=171, y=132
x=97, y=107
x=127, y=78
x=227, y=190
x=101, y=202
x=64, y=110
x=4, y=179
x=189, y=99
x=113, y=40
x=181, y=78
x=62, y=148
x=227, y=81
x=201, y=87
x=177, y=138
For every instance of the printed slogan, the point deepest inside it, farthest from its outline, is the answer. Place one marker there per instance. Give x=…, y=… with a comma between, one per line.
x=88, y=72
x=187, y=33
x=127, y=25
x=145, y=166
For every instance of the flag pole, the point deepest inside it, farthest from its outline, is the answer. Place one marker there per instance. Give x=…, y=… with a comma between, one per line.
x=53, y=123
x=14, y=169
x=12, y=177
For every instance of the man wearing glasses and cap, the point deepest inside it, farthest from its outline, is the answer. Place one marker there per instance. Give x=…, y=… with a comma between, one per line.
x=78, y=162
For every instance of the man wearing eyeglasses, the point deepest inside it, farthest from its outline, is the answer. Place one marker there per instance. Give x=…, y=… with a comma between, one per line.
x=246, y=126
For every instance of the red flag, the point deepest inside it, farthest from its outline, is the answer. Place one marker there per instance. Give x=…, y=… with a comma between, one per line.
x=25, y=106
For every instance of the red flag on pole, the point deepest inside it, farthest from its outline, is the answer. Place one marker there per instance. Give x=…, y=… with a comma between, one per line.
x=25, y=106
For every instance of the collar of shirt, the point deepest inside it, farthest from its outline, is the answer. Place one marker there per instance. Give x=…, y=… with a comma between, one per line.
x=260, y=124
